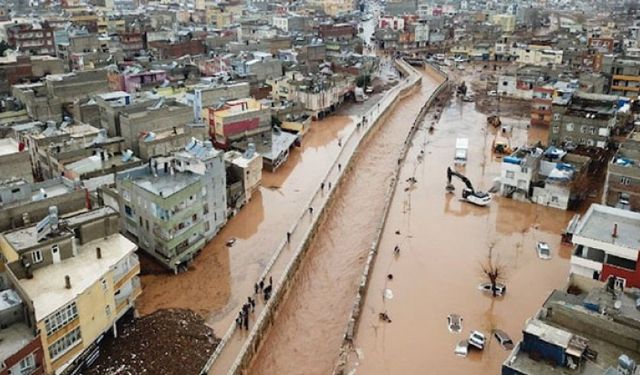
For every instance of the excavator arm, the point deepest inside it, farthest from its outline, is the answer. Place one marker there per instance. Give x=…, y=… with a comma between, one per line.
x=452, y=173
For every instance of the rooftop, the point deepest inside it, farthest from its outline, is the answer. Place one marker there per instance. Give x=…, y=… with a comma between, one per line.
x=95, y=163
x=548, y=333
x=14, y=338
x=597, y=223
x=166, y=185
x=8, y=146
x=47, y=287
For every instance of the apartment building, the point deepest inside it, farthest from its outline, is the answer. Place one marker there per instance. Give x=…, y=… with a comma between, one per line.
x=245, y=169
x=76, y=277
x=624, y=73
x=518, y=171
x=173, y=205
x=37, y=38
x=622, y=186
x=606, y=245
x=586, y=119
x=237, y=120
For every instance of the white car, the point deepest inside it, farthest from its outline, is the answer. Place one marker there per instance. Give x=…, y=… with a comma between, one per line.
x=477, y=339
x=492, y=93
x=501, y=289
x=544, y=251
x=462, y=348
x=454, y=322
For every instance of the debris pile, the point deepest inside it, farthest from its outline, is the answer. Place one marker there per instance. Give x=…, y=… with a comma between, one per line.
x=172, y=341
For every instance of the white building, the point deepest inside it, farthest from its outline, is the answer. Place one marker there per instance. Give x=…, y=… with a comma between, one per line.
x=606, y=241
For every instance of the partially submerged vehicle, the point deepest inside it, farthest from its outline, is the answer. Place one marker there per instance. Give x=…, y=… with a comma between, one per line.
x=503, y=339
x=500, y=288
x=462, y=348
x=454, y=323
x=469, y=194
x=544, y=251
x=477, y=339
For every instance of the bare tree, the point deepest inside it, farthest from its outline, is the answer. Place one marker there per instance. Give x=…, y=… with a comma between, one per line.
x=493, y=270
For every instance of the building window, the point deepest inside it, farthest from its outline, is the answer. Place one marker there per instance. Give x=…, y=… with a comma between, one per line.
x=36, y=256
x=205, y=209
x=128, y=210
x=556, y=129
x=625, y=180
x=510, y=174
x=63, y=345
x=583, y=129
x=554, y=199
x=107, y=310
x=556, y=116
x=27, y=365
x=61, y=318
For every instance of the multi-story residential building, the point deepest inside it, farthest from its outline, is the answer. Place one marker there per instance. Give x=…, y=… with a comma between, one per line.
x=319, y=95
x=245, y=168
x=173, y=205
x=622, y=186
x=518, y=172
x=538, y=55
x=586, y=119
x=562, y=181
x=15, y=162
x=239, y=119
x=507, y=22
x=522, y=83
x=258, y=67
x=164, y=142
x=545, y=96
x=624, y=73
x=338, y=7
x=76, y=277
x=606, y=245
x=18, y=68
x=135, y=80
x=37, y=38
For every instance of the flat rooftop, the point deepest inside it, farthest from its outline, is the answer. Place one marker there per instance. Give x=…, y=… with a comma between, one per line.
x=167, y=185
x=8, y=146
x=95, y=163
x=14, y=338
x=597, y=224
x=47, y=287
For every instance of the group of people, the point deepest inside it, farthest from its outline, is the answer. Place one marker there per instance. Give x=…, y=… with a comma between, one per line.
x=242, y=321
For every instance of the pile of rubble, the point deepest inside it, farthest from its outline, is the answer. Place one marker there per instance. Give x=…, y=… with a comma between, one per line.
x=171, y=341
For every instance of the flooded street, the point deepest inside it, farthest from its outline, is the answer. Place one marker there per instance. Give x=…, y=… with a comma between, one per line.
x=221, y=277
x=443, y=243
x=307, y=332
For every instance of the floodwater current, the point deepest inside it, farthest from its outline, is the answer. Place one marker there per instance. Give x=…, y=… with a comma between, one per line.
x=306, y=334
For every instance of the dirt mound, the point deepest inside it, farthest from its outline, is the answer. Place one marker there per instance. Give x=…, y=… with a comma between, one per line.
x=165, y=342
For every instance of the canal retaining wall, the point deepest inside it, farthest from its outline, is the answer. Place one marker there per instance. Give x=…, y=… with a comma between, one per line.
x=354, y=317
x=411, y=81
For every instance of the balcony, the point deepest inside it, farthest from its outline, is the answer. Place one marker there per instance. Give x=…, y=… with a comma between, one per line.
x=121, y=275
x=128, y=296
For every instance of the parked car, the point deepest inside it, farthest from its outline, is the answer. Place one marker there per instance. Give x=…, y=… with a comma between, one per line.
x=544, y=251
x=477, y=339
x=462, y=348
x=454, y=322
x=501, y=289
x=492, y=93
x=503, y=339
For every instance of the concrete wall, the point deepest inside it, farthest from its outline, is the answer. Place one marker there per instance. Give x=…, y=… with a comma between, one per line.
x=16, y=165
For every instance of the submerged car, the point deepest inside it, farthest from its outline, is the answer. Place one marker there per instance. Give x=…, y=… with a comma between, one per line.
x=500, y=288
x=544, y=251
x=462, y=348
x=477, y=339
x=454, y=322
x=503, y=339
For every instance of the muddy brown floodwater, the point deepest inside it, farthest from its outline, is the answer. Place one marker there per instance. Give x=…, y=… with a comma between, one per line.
x=221, y=277
x=307, y=332
x=443, y=241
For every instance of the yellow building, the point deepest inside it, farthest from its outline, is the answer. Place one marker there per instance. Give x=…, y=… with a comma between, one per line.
x=336, y=7
x=76, y=276
x=507, y=22
x=108, y=24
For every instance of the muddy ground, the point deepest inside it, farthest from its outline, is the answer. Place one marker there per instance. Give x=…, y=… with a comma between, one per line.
x=166, y=342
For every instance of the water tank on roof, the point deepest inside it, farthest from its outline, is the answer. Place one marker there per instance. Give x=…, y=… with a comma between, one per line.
x=512, y=160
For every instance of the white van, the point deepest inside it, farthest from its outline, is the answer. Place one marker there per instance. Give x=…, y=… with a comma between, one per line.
x=462, y=146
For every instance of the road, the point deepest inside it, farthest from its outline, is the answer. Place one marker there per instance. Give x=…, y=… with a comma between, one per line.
x=306, y=334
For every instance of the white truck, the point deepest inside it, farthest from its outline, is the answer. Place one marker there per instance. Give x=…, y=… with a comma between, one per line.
x=462, y=147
